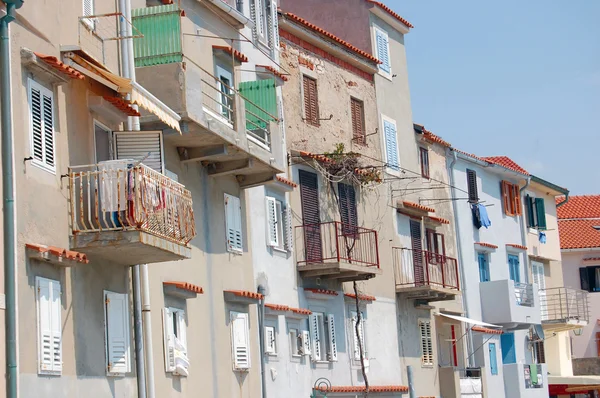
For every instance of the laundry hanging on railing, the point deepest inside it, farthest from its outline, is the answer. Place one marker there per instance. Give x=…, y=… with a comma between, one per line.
x=542, y=237
x=480, y=216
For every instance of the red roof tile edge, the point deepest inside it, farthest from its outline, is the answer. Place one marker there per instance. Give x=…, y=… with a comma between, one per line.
x=60, y=66
x=516, y=246
x=122, y=105
x=243, y=293
x=275, y=72
x=278, y=307
x=506, y=162
x=440, y=220
x=429, y=136
x=419, y=206
x=301, y=311
x=286, y=181
x=491, y=246
x=321, y=291
x=285, y=308
x=486, y=330
x=362, y=297
x=59, y=252
x=185, y=286
x=391, y=12
x=372, y=389
x=592, y=259
x=237, y=54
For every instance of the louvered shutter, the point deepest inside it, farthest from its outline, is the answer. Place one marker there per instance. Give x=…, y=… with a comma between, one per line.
x=49, y=326
x=360, y=338
x=137, y=146
x=332, y=348
x=41, y=104
x=257, y=8
x=233, y=223
x=275, y=25
x=504, y=188
x=472, y=186
x=311, y=100
x=517, y=200
x=358, y=122
x=270, y=347
x=253, y=18
x=348, y=210
x=315, y=320
x=240, y=340
x=530, y=211
x=88, y=7
x=272, y=220
x=417, y=252
x=169, y=340
x=383, y=55
x=117, y=333
x=426, y=344
x=391, y=145
x=309, y=198
x=288, y=229
x=540, y=210
x=306, y=342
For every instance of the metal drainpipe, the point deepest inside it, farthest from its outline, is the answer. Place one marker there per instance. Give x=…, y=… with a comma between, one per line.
x=261, y=334
x=465, y=302
x=8, y=192
x=523, y=223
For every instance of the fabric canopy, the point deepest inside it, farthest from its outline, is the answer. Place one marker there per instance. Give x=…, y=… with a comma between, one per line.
x=142, y=97
x=469, y=320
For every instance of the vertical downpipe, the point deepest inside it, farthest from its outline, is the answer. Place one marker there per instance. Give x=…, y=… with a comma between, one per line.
x=8, y=192
x=261, y=335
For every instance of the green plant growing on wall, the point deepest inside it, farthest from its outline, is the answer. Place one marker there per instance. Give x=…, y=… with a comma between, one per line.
x=344, y=165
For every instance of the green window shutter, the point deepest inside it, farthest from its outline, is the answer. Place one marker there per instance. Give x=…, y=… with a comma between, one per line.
x=261, y=102
x=161, y=27
x=540, y=210
x=530, y=214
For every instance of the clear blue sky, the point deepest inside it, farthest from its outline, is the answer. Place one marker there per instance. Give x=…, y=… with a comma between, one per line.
x=519, y=78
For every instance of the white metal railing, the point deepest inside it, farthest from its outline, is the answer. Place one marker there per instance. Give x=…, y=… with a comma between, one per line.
x=117, y=196
x=563, y=304
x=524, y=294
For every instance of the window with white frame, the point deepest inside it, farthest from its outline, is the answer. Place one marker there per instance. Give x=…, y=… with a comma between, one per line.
x=299, y=342
x=240, y=340
x=49, y=326
x=279, y=224
x=426, y=342
x=233, y=224
x=323, y=338
x=41, y=126
x=270, y=340
x=358, y=340
x=175, y=341
x=117, y=332
x=259, y=13
x=382, y=47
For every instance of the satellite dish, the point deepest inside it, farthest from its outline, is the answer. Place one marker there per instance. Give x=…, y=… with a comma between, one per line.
x=536, y=333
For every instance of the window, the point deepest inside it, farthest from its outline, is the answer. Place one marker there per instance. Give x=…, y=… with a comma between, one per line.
x=225, y=93
x=590, y=278
x=424, y=156
x=391, y=144
x=539, y=352
x=511, y=198
x=536, y=212
x=146, y=145
x=116, y=321
x=360, y=339
x=259, y=14
x=484, y=267
x=240, y=340
x=279, y=225
x=426, y=342
x=435, y=242
x=49, y=326
x=493, y=359
x=383, y=51
x=323, y=339
x=357, y=111
x=175, y=340
x=299, y=342
x=272, y=25
x=41, y=126
x=233, y=224
x=270, y=340
x=514, y=268
x=311, y=101
x=472, y=186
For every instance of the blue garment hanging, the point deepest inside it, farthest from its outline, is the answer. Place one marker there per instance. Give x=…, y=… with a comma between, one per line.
x=483, y=215
x=542, y=236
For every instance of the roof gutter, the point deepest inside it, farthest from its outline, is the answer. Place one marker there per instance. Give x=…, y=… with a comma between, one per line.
x=580, y=250
x=564, y=201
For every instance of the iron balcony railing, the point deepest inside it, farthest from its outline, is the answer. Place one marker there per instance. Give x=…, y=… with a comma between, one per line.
x=335, y=242
x=524, y=294
x=117, y=196
x=414, y=268
x=564, y=304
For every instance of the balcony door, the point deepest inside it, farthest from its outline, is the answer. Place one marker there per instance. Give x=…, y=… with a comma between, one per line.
x=537, y=271
x=224, y=98
x=311, y=217
x=417, y=252
x=436, y=256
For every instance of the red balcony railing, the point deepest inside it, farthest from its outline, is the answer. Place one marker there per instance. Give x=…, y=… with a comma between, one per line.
x=335, y=242
x=414, y=268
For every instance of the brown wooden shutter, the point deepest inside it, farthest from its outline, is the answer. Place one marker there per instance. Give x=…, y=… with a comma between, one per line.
x=517, y=201
x=348, y=211
x=505, y=188
x=311, y=218
x=472, y=186
x=598, y=342
x=358, y=121
x=417, y=249
x=311, y=101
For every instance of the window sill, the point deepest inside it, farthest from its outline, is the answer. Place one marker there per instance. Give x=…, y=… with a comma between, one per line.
x=385, y=75
x=279, y=250
x=427, y=366
x=43, y=166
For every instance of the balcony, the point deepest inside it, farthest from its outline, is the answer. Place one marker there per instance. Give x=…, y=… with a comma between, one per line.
x=129, y=214
x=511, y=304
x=525, y=380
x=424, y=275
x=337, y=251
x=225, y=127
x=564, y=308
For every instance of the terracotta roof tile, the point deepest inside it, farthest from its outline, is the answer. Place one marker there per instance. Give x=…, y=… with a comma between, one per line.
x=491, y=246
x=418, y=206
x=516, y=246
x=301, y=311
x=277, y=307
x=321, y=291
x=243, y=293
x=185, y=286
x=429, y=136
x=60, y=66
x=506, y=162
x=236, y=54
x=344, y=43
x=359, y=389
x=439, y=220
x=591, y=259
x=486, y=330
x=584, y=206
x=469, y=154
x=286, y=181
x=579, y=234
x=320, y=158
x=391, y=12
x=122, y=105
x=361, y=297
x=59, y=252
x=274, y=71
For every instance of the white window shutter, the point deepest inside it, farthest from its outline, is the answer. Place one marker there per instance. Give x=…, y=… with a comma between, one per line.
x=260, y=15
x=314, y=325
x=233, y=224
x=275, y=25
x=305, y=342
x=240, y=340
x=253, y=14
x=355, y=337
x=426, y=344
x=272, y=220
x=42, y=136
x=146, y=145
x=49, y=326
x=391, y=144
x=117, y=333
x=169, y=340
x=182, y=329
x=360, y=338
x=270, y=346
x=383, y=48
x=88, y=7
x=288, y=229
x=332, y=354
